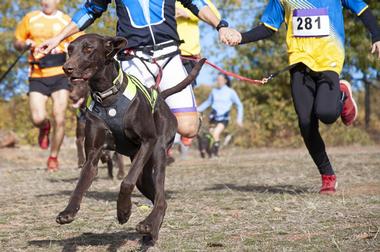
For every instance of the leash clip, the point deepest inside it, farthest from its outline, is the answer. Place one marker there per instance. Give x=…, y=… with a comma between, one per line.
x=97, y=97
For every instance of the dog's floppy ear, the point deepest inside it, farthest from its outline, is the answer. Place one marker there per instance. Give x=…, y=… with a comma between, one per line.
x=113, y=45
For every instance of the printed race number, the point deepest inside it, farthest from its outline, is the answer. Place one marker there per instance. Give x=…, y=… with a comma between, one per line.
x=311, y=23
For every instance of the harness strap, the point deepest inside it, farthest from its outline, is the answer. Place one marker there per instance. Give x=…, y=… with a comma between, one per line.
x=157, y=78
x=149, y=49
x=114, y=89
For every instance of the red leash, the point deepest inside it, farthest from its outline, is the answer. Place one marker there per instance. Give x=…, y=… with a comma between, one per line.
x=234, y=75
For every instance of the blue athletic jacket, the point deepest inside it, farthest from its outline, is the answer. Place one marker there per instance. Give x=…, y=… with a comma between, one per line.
x=141, y=22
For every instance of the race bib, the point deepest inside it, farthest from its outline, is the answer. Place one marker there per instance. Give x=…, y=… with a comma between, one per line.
x=311, y=23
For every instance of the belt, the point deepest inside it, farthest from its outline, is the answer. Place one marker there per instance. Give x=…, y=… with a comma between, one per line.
x=50, y=60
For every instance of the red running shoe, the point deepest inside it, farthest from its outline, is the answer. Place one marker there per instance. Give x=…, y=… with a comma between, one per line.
x=186, y=141
x=43, y=136
x=350, y=109
x=329, y=184
x=52, y=164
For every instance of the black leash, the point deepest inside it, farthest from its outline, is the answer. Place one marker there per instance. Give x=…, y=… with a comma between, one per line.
x=14, y=63
x=285, y=69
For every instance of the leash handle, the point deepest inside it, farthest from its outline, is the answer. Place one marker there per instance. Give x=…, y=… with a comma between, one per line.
x=14, y=63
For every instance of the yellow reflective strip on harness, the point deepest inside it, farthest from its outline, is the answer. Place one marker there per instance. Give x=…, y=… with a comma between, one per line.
x=119, y=76
x=152, y=98
x=131, y=90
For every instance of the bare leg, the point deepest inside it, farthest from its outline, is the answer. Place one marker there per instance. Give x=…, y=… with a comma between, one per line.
x=188, y=124
x=60, y=99
x=37, y=105
x=217, y=131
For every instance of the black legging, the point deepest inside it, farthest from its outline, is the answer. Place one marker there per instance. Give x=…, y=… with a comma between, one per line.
x=316, y=96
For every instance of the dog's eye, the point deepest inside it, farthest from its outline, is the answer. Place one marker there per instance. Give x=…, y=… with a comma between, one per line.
x=87, y=49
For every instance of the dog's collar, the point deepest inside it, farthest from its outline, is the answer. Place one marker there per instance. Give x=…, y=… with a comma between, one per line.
x=117, y=83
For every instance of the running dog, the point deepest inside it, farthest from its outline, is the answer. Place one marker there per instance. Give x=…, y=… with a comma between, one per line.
x=125, y=117
x=79, y=94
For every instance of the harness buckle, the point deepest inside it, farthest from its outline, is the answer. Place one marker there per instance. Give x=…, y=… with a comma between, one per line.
x=97, y=97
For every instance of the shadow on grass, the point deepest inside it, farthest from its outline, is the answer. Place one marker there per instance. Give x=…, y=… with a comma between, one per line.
x=74, y=180
x=277, y=189
x=113, y=240
x=98, y=195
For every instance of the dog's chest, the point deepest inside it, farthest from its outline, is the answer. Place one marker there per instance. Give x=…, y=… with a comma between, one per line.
x=113, y=116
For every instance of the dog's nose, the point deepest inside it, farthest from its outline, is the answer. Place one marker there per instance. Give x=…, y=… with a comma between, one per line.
x=68, y=69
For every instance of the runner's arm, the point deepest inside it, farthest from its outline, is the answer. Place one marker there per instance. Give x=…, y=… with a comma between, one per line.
x=200, y=9
x=207, y=103
x=83, y=18
x=370, y=22
x=361, y=9
x=258, y=33
x=271, y=21
x=239, y=106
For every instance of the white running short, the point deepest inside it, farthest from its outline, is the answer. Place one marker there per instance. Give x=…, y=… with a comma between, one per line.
x=173, y=73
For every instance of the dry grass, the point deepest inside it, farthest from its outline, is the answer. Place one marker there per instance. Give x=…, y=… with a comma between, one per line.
x=249, y=200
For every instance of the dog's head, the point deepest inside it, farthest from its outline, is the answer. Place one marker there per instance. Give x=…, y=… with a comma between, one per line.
x=89, y=54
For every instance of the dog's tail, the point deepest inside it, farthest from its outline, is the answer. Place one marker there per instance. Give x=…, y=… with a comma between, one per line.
x=187, y=81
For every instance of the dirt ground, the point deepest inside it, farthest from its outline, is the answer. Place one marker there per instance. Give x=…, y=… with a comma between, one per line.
x=247, y=200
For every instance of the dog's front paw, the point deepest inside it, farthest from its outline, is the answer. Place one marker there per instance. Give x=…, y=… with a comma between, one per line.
x=65, y=217
x=144, y=228
x=123, y=216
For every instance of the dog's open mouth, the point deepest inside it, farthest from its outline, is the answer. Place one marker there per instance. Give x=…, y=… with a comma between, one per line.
x=74, y=79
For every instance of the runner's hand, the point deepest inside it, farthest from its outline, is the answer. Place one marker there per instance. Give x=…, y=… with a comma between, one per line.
x=30, y=43
x=229, y=36
x=48, y=45
x=376, y=47
x=180, y=13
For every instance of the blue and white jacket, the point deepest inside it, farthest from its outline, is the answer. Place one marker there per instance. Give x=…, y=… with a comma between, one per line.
x=141, y=22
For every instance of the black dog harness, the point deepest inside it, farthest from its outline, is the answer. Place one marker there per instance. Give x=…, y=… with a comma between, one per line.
x=114, y=114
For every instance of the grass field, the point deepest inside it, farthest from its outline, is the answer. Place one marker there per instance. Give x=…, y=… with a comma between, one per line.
x=248, y=200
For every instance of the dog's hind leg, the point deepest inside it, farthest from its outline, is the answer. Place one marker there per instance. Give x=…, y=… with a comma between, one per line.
x=151, y=225
x=109, y=165
x=124, y=202
x=120, y=165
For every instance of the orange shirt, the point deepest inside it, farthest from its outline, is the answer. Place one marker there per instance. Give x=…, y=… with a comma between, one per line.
x=39, y=27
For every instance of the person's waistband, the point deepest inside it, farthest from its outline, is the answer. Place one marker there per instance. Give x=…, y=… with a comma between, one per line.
x=50, y=60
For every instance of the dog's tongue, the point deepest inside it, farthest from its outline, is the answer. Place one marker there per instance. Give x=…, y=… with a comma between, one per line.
x=78, y=103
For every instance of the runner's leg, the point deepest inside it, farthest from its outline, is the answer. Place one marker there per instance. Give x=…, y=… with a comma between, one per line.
x=218, y=131
x=182, y=104
x=303, y=92
x=328, y=102
x=37, y=105
x=60, y=100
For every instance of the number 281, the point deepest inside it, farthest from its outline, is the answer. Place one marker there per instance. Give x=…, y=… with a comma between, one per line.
x=308, y=25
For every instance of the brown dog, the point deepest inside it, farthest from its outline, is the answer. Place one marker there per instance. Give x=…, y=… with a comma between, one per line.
x=124, y=117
